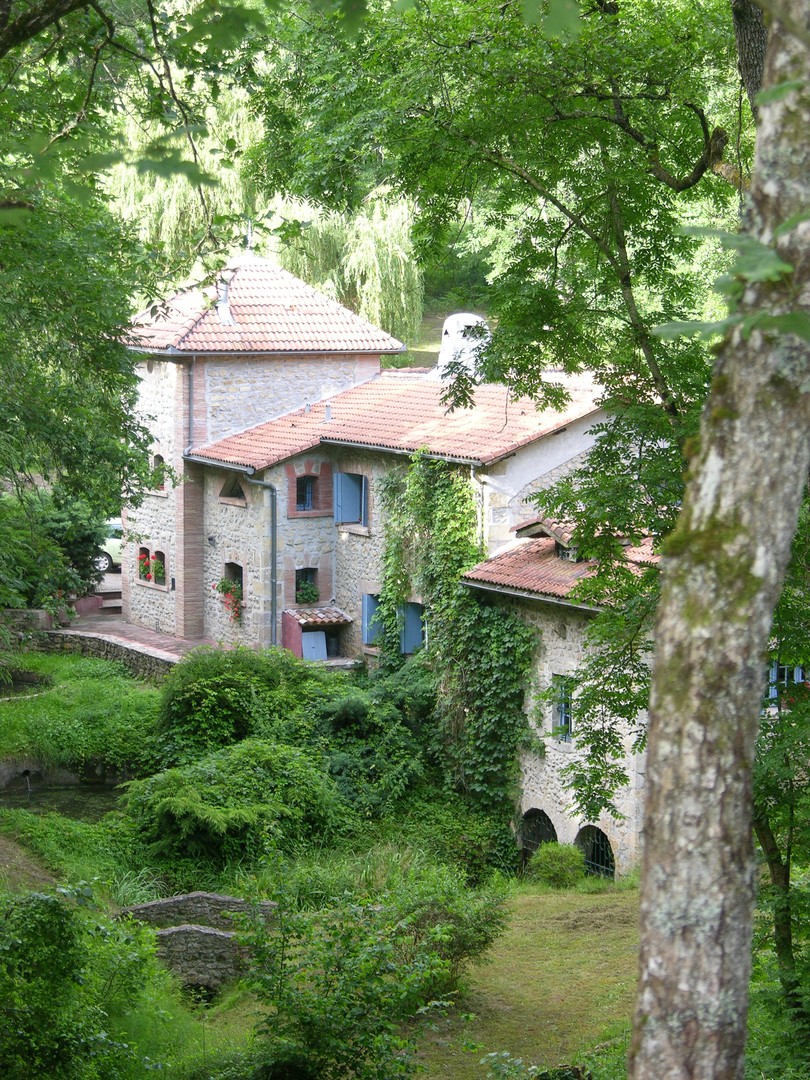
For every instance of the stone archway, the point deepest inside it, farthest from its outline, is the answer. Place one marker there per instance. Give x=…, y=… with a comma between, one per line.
x=597, y=851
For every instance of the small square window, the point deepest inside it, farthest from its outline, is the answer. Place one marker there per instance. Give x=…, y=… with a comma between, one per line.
x=305, y=492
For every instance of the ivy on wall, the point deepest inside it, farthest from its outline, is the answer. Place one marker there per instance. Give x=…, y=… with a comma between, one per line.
x=481, y=653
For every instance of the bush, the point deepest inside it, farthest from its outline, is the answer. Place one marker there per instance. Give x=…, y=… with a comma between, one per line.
x=216, y=697
x=453, y=833
x=227, y=804
x=66, y=982
x=340, y=982
x=559, y=865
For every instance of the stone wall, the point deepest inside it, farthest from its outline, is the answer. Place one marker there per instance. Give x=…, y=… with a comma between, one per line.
x=560, y=650
x=199, y=908
x=139, y=661
x=195, y=938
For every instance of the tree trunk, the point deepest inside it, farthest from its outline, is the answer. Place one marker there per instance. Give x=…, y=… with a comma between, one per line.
x=751, y=35
x=723, y=574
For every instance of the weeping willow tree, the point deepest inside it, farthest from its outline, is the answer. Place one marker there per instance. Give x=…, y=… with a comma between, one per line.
x=365, y=261
x=171, y=212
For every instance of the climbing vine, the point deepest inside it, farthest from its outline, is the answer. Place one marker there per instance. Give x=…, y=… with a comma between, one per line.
x=480, y=653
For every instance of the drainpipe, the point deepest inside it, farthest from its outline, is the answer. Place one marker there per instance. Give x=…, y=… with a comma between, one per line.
x=190, y=405
x=271, y=488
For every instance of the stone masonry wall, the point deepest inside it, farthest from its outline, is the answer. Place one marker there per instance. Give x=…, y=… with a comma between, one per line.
x=152, y=525
x=195, y=936
x=560, y=650
x=241, y=392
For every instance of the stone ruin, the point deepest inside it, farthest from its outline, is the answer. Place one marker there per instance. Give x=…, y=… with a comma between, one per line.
x=195, y=935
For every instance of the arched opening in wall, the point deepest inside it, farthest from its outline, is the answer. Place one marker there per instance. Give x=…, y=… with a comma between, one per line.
x=233, y=572
x=159, y=473
x=159, y=568
x=536, y=828
x=598, y=853
x=143, y=563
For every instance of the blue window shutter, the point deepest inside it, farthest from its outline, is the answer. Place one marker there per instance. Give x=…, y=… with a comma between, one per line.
x=349, y=498
x=371, y=626
x=411, y=636
x=363, y=518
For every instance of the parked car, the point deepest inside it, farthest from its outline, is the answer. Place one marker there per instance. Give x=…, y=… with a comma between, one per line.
x=109, y=554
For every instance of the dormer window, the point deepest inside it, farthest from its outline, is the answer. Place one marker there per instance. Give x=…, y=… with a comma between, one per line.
x=569, y=554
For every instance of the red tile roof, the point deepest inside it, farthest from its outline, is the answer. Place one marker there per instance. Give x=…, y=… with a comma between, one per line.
x=562, y=531
x=318, y=616
x=533, y=566
x=255, y=307
x=403, y=413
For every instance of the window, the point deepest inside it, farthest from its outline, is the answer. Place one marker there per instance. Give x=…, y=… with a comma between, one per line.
x=562, y=713
x=233, y=572
x=305, y=492
x=306, y=586
x=159, y=470
x=351, y=499
x=371, y=626
x=412, y=634
x=232, y=489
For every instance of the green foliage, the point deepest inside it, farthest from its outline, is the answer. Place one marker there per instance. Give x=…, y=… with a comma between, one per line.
x=559, y=865
x=48, y=541
x=66, y=980
x=339, y=982
x=485, y=657
x=92, y=714
x=480, y=654
x=215, y=697
x=227, y=804
x=365, y=260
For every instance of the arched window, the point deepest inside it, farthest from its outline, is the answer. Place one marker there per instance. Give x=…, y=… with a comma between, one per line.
x=159, y=469
x=598, y=853
x=536, y=828
x=159, y=569
x=144, y=558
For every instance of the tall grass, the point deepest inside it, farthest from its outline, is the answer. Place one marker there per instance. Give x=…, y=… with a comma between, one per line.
x=93, y=712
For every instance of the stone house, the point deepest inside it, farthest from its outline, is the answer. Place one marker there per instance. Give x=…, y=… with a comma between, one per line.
x=535, y=576
x=274, y=423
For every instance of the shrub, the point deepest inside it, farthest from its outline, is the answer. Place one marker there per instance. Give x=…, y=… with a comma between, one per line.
x=455, y=834
x=559, y=865
x=216, y=697
x=66, y=981
x=227, y=804
x=433, y=909
x=339, y=982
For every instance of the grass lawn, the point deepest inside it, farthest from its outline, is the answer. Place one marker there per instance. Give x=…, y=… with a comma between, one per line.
x=561, y=980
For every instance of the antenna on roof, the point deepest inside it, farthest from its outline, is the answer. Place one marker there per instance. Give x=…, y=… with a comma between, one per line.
x=327, y=413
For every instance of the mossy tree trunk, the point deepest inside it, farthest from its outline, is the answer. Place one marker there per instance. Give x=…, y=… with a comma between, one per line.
x=723, y=575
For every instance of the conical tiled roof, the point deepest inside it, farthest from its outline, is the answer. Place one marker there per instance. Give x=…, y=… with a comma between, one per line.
x=256, y=307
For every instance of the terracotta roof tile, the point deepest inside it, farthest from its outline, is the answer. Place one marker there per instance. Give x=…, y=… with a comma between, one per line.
x=404, y=413
x=533, y=566
x=331, y=616
x=267, y=311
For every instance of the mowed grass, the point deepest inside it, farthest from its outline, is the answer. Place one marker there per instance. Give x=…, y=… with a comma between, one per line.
x=560, y=981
